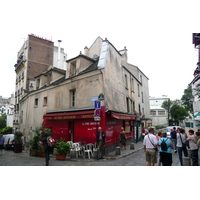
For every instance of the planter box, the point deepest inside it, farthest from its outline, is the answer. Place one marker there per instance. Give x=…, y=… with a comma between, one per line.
x=60, y=157
x=17, y=148
x=40, y=154
x=33, y=152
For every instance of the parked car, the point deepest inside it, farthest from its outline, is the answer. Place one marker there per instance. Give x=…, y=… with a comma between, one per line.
x=9, y=141
x=168, y=130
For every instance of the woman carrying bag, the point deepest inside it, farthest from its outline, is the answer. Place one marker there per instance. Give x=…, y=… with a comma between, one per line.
x=181, y=144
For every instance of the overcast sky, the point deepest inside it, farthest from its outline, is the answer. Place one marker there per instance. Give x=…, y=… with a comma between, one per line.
x=158, y=35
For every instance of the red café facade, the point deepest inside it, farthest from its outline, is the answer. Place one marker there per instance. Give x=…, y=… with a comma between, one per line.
x=80, y=125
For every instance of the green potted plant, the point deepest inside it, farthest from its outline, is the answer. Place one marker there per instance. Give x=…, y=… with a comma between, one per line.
x=18, y=142
x=34, y=145
x=40, y=151
x=63, y=148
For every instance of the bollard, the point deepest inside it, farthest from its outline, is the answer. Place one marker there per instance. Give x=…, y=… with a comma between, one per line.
x=54, y=151
x=95, y=153
x=117, y=150
x=186, y=161
x=72, y=154
x=132, y=146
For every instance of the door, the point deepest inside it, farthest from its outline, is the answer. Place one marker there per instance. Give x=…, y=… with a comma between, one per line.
x=71, y=130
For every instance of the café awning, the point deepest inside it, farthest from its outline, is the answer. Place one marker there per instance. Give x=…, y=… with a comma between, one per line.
x=69, y=115
x=198, y=114
x=122, y=116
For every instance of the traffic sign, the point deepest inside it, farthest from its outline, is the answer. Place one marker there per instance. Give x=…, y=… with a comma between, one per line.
x=97, y=112
x=97, y=104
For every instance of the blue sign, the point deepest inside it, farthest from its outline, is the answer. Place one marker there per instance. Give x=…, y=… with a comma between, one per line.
x=97, y=112
x=97, y=104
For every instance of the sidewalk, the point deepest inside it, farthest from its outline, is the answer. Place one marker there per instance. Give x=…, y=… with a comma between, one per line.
x=125, y=152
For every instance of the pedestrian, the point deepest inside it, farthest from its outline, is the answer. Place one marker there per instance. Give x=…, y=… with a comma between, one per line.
x=100, y=140
x=165, y=155
x=193, y=147
x=158, y=138
x=47, y=148
x=150, y=146
x=181, y=144
x=174, y=139
x=2, y=140
x=123, y=138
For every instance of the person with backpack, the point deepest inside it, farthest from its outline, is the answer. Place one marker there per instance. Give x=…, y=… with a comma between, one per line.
x=165, y=150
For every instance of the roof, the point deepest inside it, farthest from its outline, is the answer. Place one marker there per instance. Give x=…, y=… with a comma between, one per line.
x=81, y=55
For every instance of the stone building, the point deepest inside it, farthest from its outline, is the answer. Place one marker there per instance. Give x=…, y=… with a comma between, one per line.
x=34, y=57
x=63, y=100
x=159, y=115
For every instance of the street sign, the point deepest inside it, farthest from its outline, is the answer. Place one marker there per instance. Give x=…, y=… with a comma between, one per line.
x=94, y=98
x=97, y=118
x=101, y=97
x=97, y=112
x=97, y=104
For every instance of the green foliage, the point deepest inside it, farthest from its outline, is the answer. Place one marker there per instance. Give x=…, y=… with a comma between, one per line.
x=63, y=148
x=34, y=142
x=159, y=127
x=178, y=113
x=167, y=106
x=18, y=137
x=3, y=121
x=186, y=99
x=7, y=130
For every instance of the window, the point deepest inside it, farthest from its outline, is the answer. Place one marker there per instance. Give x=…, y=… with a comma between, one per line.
x=73, y=98
x=73, y=69
x=127, y=104
x=132, y=84
x=36, y=103
x=38, y=83
x=161, y=112
x=153, y=112
x=45, y=101
x=138, y=90
x=142, y=97
x=141, y=79
x=126, y=81
x=133, y=106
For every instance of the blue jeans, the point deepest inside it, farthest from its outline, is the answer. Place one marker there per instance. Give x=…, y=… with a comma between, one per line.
x=180, y=155
x=174, y=141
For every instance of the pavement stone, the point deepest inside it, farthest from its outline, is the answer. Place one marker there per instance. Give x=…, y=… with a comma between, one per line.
x=9, y=158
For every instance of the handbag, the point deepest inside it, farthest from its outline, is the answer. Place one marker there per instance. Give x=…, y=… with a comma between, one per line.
x=183, y=144
x=153, y=144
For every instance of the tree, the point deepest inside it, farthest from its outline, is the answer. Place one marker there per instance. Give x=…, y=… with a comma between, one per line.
x=186, y=99
x=2, y=121
x=167, y=106
x=178, y=113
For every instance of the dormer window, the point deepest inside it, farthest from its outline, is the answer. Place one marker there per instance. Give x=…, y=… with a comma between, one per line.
x=73, y=69
x=38, y=83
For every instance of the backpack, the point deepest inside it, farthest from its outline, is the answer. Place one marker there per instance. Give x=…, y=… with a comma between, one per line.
x=50, y=141
x=163, y=145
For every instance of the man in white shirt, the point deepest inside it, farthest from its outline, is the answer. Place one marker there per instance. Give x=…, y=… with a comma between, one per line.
x=150, y=144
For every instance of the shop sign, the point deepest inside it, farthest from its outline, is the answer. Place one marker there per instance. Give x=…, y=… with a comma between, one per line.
x=97, y=118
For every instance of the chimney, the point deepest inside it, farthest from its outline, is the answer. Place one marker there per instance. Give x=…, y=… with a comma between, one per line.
x=86, y=51
x=59, y=41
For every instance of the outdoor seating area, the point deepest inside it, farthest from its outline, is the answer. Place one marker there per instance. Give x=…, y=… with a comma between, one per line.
x=81, y=149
